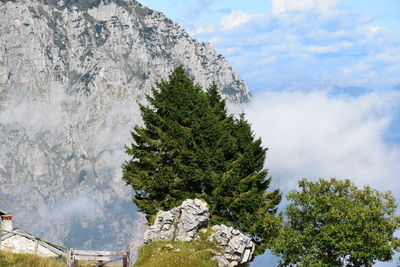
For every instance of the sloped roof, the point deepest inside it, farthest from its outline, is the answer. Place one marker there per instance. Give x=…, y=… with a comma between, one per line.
x=2, y=212
x=52, y=247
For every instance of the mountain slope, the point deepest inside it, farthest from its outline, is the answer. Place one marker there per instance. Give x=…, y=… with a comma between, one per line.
x=71, y=73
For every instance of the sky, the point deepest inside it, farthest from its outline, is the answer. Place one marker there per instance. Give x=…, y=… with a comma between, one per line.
x=324, y=78
x=272, y=43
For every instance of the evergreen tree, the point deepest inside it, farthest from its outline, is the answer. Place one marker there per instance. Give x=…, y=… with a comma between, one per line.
x=189, y=147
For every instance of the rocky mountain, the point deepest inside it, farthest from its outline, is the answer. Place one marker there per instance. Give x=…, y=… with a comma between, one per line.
x=71, y=74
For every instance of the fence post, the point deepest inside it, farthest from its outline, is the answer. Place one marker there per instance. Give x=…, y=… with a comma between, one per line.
x=128, y=254
x=70, y=257
x=125, y=261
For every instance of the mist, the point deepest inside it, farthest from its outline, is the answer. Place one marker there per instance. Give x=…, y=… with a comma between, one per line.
x=314, y=134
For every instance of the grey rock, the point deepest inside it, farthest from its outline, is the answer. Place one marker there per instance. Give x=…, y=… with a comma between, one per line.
x=184, y=222
x=222, y=261
x=163, y=228
x=180, y=223
x=238, y=248
x=193, y=216
x=71, y=73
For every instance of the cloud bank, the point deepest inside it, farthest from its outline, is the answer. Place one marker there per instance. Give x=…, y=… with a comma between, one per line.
x=281, y=6
x=235, y=18
x=314, y=134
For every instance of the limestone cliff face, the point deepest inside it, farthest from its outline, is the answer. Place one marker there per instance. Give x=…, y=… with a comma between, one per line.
x=71, y=73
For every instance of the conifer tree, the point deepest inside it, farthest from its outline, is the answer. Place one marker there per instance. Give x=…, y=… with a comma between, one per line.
x=189, y=147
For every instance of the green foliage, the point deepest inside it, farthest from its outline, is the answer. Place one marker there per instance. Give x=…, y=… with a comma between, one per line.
x=189, y=147
x=8, y=259
x=195, y=253
x=333, y=223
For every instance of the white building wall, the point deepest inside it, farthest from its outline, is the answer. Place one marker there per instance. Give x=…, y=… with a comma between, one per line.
x=20, y=244
x=6, y=225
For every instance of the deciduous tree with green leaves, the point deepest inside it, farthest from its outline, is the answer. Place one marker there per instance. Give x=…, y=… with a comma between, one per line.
x=334, y=223
x=189, y=147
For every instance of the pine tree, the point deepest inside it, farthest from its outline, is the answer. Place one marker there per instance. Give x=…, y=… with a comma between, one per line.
x=189, y=147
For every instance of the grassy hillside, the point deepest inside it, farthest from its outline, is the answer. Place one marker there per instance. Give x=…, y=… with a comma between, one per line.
x=196, y=253
x=8, y=259
x=175, y=254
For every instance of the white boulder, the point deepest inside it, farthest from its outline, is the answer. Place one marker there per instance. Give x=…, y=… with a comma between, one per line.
x=179, y=224
x=238, y=248
x=183, y=224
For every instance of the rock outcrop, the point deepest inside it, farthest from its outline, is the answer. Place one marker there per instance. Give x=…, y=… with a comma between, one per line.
x=183, y=224
x=71, y=73
x=179, y=224
x=238, y=248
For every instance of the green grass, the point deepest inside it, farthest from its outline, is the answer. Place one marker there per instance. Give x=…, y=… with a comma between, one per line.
x=196, y=253
x=8, y=259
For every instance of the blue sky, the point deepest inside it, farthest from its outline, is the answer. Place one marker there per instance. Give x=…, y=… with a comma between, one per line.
x=350, y=43
x=325, y=80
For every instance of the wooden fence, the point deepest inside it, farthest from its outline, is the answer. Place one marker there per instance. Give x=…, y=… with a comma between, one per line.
x=74, y=256
x=98, y=258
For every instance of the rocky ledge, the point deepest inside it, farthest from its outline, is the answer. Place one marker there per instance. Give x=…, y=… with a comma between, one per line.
x=184, y=222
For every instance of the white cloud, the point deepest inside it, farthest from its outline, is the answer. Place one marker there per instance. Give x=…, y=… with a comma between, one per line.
x=80, y=205
x=235, y=19
x=281, y=6
x=388, y=57
x=45, y=115
x=318, y=49
x=311, y=135
x=201, y=29
x=333, y=45
x=230, y=50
